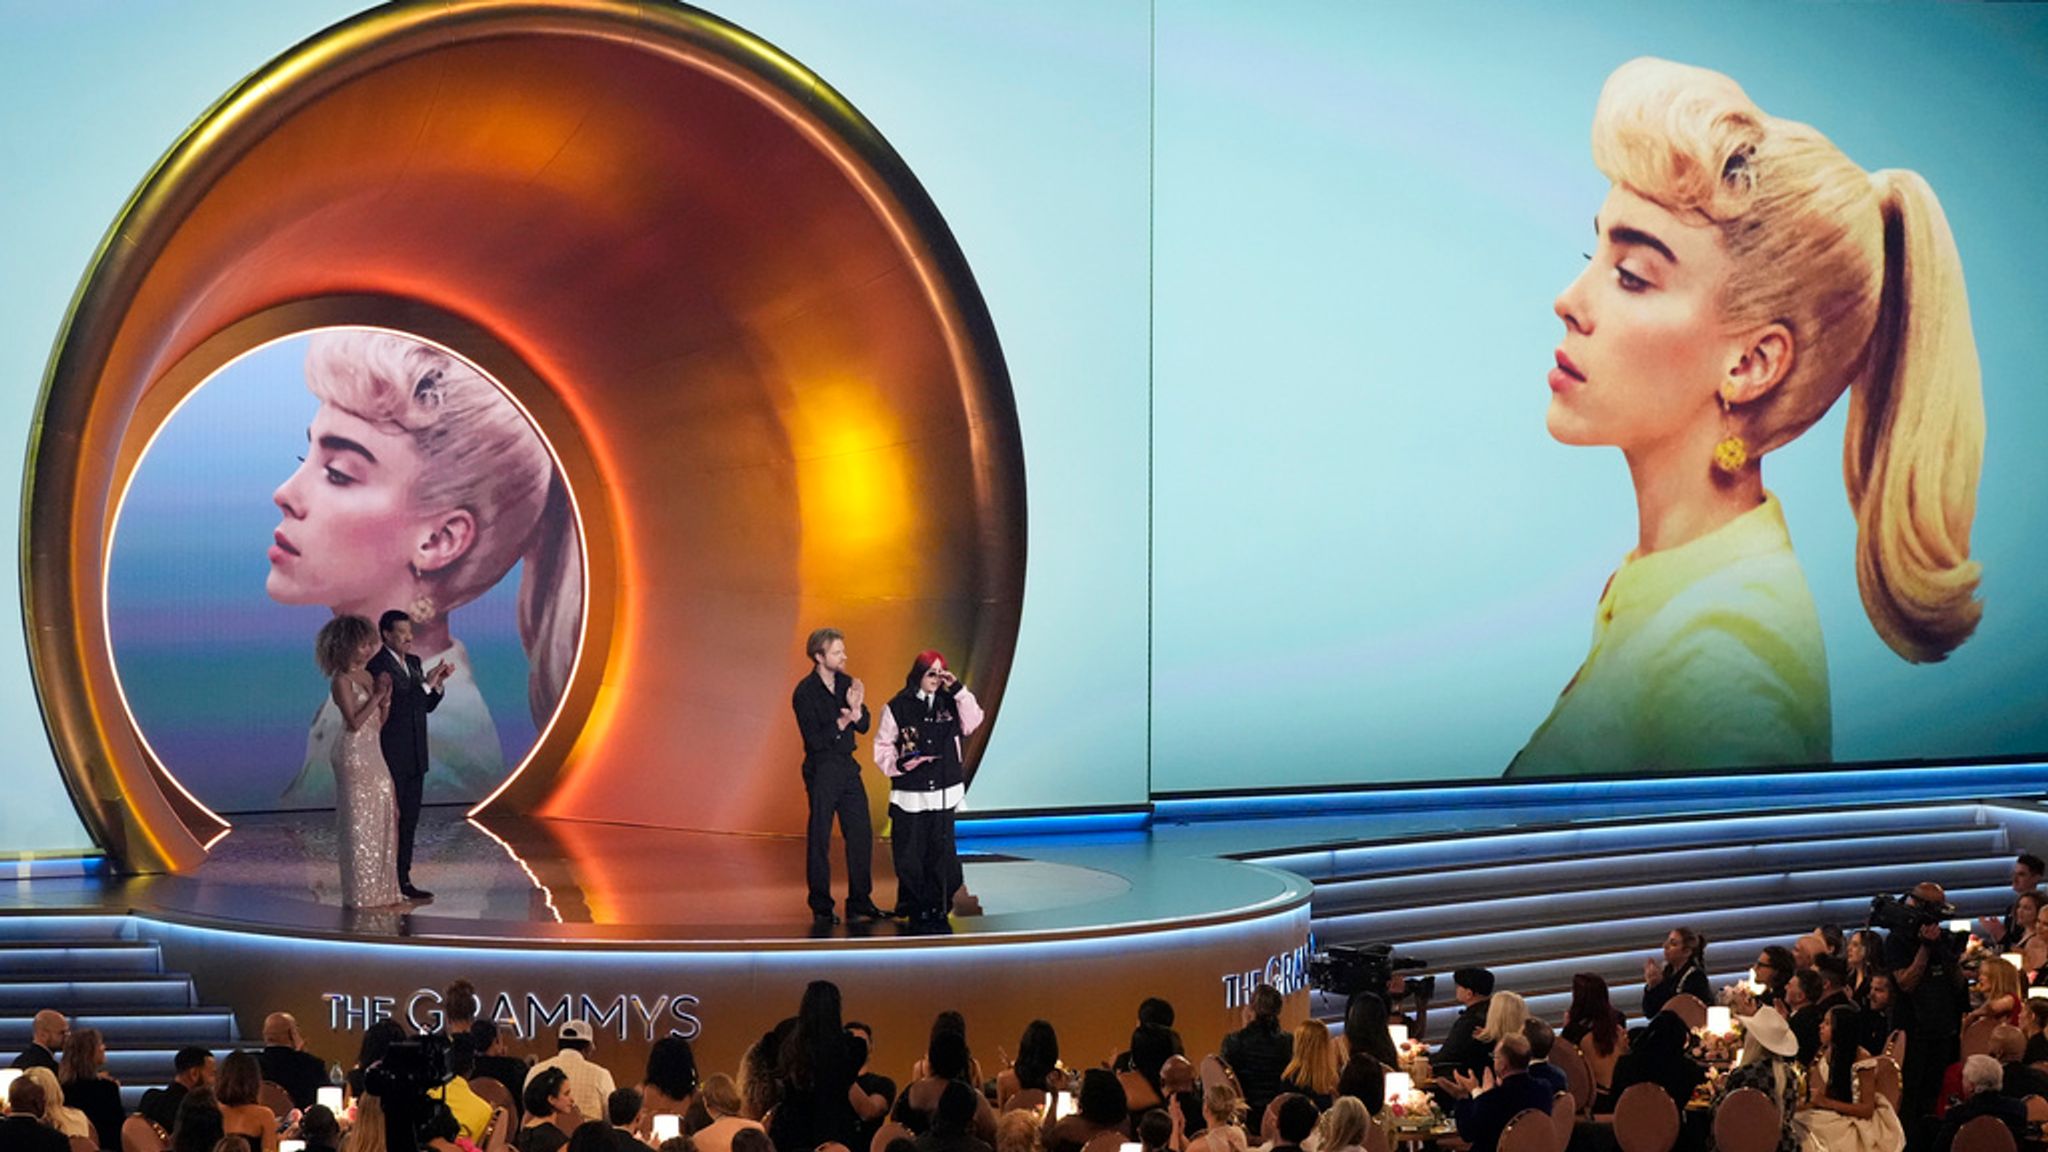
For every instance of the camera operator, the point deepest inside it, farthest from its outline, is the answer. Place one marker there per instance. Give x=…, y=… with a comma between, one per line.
x=1926, y=962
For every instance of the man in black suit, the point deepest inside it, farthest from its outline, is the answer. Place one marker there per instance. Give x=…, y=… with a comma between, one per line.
x=23, y=1129
x=287, y=1064
x=1484, y=1113
x=1983, y=1095
x=47, y=1033
x=414, y=693
x=1463, y=1050
x=194, y=1068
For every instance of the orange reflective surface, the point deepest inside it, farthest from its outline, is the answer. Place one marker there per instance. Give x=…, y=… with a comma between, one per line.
x=758, y=353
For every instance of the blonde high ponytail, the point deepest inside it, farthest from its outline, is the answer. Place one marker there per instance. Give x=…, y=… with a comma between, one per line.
x=1863, y=271
x=1915, y=444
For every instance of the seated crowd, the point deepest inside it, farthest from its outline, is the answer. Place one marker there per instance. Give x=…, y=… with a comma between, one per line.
x=1846, y=1043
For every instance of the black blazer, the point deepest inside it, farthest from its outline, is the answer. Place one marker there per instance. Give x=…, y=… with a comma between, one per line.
x=35, y=1056
x=28, y=1134
x=404, y=737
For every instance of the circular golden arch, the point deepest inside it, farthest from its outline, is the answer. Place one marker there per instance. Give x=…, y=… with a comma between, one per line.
x=746, y=330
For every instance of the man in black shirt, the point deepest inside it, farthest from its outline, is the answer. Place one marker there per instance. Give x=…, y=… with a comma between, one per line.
x=1927, y=975
x=491, y=1061
x=831, y=707
x=23, y=1130
x=1260, y=1051
x=47, y=1031
x=287, y=1064
x=191, y=1068
x=1462, y=1050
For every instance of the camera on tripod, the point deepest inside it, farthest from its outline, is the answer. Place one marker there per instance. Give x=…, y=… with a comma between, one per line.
x=1348, y=969
x=401, y=1080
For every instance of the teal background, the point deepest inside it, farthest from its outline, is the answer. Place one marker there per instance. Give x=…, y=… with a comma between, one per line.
x=1273, y=282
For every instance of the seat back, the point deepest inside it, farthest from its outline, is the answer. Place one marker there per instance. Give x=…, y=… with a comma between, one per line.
x=1687, y=1007
x=1564, y=1117
x=1747, y=1121
x=272, y=1095
x=140, y=1134
x=1578, y=1075
x=1529, y=1131
x=1888, y=1085
x=1645, y=1120
x=1985, y=1134
x=1977, y=1037
x=495, y=1094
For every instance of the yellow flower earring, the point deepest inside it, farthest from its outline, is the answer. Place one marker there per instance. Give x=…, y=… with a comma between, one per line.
x=1731, y=455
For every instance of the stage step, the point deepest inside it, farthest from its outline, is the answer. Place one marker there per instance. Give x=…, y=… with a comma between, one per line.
x=1539, y=905
x=103, y=973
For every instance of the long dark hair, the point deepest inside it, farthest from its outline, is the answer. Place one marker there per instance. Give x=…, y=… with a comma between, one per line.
x=1593, y=1011
x=1842, y=1052
x=1365, y=1030
x=818, y=1025
x=1038, y=1053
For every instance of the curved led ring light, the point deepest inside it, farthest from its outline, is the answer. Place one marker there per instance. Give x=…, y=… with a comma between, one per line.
x=753, y=343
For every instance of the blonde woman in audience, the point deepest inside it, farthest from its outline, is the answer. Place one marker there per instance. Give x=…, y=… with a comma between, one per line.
x=1343, y=1126
x=1999, y=992
x=721, y=1100
x=1313, y=1070
x=1506, y=1016
x=64, y=1118
x=367, y=1134
x=1223, y=1113
x=1017, y=1131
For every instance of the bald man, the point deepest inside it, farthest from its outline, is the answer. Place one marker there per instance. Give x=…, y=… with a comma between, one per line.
x=47, y=1032
x=286, y=1062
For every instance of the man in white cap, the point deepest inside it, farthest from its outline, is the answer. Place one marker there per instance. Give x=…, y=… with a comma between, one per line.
x=590, y=1084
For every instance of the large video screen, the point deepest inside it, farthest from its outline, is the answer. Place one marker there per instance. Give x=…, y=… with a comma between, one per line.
x=1398, y=539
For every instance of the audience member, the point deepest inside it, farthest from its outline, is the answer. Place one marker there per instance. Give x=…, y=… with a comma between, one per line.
x=1100, y=1109
x=622, y=1114
x=1294, y=1120
x=1485, y=1110
x=1802, y=1011
x=722, y=1102
x=669, y=1086
x=1684, y=970
x=1541, y=1040
x=367, y=1133
x=192, y=1068
x=198, y=1126
x=1152, y=1045
x=1343, y=1126
x=591, y=1136
x=2005, y=932
x=2000, y=992
x=1880, y=1018
x=1599, y=1030
x=760, y=1090
x=817, y=1069
x=319, y=1129
x=1037, y=1067
x=2009, y=1048
x=876, y=1091
x=376, y=1039
x=493, y=1060
x=285, y=1062
x=22, y=1129
x=459, y=1006
x=240, y=1091
x=590, y=1083
x=550, y=1109
x=1864, y=955
x=1019, y=1132
x=1657, y=1056
x=1846, y=1109
x=1158, y=1013
x=1773, y=969
x=1834, y=983
x=1983, y=1095
x=1464, y=1049
x=1155, y=1131
x=2034, y=1026
x=1766, y=1064
x=88, y=1087
x=46, y=1039
x=1222, y=1122
x=1313, y=1069
x=1260, y=1051
x=56, y=1112
x=952, y=1127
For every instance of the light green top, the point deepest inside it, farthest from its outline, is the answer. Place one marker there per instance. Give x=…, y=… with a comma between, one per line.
x=1707, y=655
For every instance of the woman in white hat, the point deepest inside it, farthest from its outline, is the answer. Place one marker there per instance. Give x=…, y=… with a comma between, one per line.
x=1768, y=1046
x=1847, y=1113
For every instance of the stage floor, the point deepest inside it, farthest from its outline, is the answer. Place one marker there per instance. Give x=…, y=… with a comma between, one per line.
x=531, y=880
